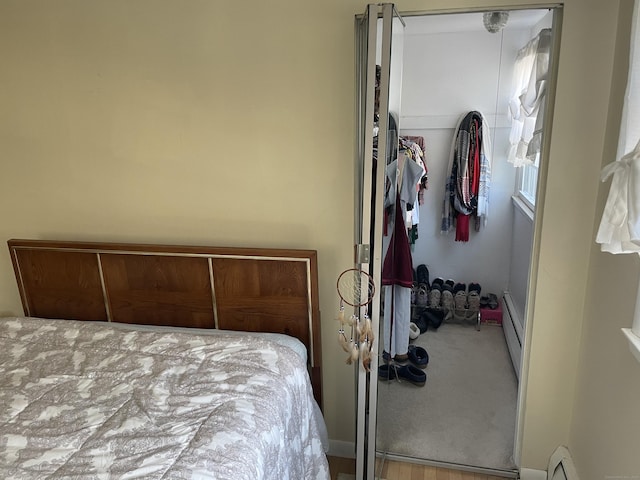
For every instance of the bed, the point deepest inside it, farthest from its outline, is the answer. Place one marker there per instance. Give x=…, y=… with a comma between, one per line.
x=153, y=361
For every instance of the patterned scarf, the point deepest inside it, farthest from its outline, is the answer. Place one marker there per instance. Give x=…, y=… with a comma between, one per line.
x=467, y=186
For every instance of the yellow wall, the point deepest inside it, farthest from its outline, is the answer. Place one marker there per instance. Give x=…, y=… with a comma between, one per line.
x=199, y=122
x=231, y=123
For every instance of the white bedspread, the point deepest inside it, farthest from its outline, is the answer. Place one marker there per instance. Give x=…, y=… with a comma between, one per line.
x=84, y=400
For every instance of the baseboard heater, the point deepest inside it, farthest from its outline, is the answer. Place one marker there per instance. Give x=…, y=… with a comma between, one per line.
x=513, y=328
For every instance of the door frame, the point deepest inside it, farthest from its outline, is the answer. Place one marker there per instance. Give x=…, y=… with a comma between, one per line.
x=366, y=386
x=371, y=200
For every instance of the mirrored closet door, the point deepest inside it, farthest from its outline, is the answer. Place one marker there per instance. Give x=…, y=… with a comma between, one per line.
x=379, y=33
x=451, y=121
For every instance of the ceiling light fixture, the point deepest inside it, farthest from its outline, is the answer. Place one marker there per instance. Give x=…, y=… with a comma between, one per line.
x=495, y=21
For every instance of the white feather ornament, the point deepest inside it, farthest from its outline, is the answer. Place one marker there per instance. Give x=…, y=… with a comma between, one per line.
x=344, y=343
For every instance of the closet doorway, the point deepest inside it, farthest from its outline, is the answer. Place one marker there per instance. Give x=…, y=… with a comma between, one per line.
x=439, y=68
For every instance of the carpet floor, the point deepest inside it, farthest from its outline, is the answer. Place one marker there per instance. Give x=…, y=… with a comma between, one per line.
x=466, y=412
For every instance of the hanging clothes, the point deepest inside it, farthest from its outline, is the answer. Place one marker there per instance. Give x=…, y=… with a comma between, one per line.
x=406, y=174
x=397, y=276
x=414, y=149
x=469, y=178
x=397, y=270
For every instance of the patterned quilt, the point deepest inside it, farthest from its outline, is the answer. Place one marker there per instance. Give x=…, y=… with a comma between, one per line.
x=84, y=400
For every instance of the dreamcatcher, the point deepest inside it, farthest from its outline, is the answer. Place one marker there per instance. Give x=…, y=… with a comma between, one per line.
x=355, y=335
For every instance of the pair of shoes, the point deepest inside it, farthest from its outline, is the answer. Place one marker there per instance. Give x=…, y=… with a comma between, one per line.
x=418, y=356
x=442, y=282
x=475, y=287
x=489, y=301
x=467, y=299
x=441, y=294
x=407, y=372
x=414, y=291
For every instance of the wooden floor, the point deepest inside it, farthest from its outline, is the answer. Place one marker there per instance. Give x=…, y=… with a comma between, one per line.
x=406, y=471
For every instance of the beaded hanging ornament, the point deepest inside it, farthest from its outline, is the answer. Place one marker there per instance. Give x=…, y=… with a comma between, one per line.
x=355, y=335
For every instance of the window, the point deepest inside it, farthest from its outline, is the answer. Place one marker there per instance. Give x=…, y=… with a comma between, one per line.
x=527, y=183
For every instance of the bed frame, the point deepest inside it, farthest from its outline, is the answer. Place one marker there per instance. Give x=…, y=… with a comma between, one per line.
x=249, y=289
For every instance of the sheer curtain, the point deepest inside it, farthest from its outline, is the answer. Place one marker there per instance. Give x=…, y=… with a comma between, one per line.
x=619, y=230
x=526, y=105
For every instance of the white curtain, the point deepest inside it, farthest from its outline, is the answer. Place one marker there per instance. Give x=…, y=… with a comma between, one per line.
x=619, y=230
x=526, y=105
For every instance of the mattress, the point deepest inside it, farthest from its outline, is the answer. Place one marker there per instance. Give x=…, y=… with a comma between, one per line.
x=93, y=400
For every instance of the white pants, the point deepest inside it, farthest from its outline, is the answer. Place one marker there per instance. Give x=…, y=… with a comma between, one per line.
x=397, y=311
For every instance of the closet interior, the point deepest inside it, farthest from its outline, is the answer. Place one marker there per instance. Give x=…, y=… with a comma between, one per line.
x=466, y=111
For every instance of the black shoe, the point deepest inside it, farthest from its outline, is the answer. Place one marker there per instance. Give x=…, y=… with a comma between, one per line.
x=475, y=287
x=422, y=323
x=423, y=274
x=387, y=372
x=433, y=317
x=459, y=287
x=412, y=374
x=484, y=302
x=407, y=372
x=493, y=301
x=418, y=356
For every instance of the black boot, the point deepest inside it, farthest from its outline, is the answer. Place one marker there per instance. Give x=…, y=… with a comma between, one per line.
x=422, y=272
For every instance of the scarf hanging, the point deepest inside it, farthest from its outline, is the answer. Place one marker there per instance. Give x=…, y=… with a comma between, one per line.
x=467, y=186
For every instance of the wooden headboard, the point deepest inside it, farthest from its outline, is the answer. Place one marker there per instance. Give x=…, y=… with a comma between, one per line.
x=249, y=289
